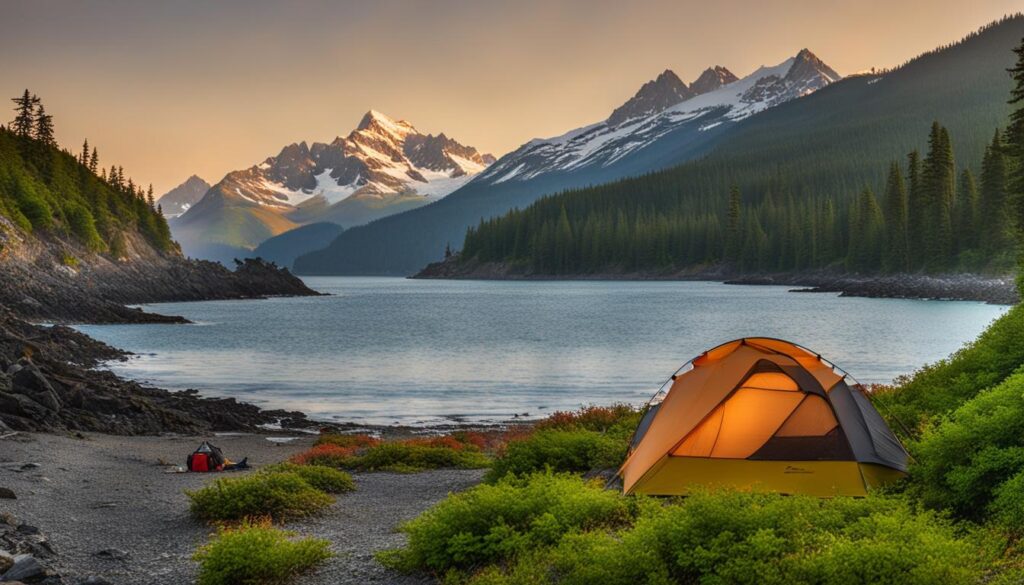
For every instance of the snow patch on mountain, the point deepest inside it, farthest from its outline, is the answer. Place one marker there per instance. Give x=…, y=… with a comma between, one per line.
x=662, y=106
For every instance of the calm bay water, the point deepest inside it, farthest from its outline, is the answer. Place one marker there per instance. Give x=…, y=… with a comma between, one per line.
x=391, y=350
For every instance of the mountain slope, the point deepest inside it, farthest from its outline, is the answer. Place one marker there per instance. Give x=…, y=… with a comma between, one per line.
x=802, y=169
x=179, y=199
x=283, y=249
x=382, y=167
x=665, y=123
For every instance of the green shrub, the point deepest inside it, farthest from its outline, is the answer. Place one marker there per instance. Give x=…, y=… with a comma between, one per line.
x=321, y=477
x=404, y=457
x=559, y=450
x=82, y=225
x=279, y=495
x=257, y=554
x=490, y=523
x=731, y=537
x=961, y=462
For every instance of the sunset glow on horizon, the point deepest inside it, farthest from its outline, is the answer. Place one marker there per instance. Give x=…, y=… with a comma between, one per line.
x=173, y=89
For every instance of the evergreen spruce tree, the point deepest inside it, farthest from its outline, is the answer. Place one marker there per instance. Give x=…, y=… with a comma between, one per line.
x=94, y=161
x=733, y=233
x=150, y=200
x=84, y=158
x=915, y=210
x=964, y=212
x=938, y=177
x=1015, y=152
x=993, y=226
x=864, y=248
x=44, y=126
x=897, y=254
x=24, y=119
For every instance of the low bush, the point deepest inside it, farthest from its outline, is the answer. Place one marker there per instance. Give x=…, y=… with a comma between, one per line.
x=257, y=554
x=491, y=523
x=321, y=477
x=966, y=463
x=363, y=453
x=325, y=454
x=410, y=457
x=559, y=450
x=558, y=529
x=279, y=495
x=615, y=419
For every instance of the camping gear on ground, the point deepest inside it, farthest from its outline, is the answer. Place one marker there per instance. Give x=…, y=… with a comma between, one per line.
x=206, y=458
x=766, y=415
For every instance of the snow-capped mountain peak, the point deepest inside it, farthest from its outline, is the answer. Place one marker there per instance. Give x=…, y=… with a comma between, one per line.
x=715, y=100
x=711, y=79
x=654, y=96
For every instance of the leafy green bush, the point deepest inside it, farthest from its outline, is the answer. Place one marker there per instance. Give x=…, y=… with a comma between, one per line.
x=961, y=463
x=321, y=477
x=82, y=225
x=409, y=457
x=279, y=495
x=559, y=450
x=491, y=523
x=941, y=387
x=713, y=537
x=257, y=554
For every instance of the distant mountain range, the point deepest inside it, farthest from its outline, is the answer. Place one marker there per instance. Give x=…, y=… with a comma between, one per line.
x=179, y=199
x=382, y=167
x=665, y=123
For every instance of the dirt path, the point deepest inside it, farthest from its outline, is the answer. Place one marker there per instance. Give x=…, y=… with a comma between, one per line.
x=110, y=509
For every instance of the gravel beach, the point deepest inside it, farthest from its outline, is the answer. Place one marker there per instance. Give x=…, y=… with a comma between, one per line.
x=110, y=508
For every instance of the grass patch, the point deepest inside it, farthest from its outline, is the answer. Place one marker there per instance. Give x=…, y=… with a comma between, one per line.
x=279, y=495
x=257, y=554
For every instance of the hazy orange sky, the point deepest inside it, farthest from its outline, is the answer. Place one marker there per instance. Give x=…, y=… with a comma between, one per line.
x=172, y=88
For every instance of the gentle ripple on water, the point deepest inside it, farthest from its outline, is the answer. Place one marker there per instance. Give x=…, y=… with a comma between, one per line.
x=387, y=350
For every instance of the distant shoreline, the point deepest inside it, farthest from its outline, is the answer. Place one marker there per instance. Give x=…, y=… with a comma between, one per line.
x=1001, y=290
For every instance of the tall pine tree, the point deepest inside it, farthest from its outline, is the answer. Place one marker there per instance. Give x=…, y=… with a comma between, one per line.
x=897, y=253
x=733, y=233
x=25, y=114
x=993, y=225
x=1015, y=151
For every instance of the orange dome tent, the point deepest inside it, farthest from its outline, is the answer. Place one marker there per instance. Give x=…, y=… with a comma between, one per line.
x=761, y=414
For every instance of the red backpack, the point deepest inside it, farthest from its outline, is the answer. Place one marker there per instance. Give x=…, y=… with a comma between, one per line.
x=206, y=458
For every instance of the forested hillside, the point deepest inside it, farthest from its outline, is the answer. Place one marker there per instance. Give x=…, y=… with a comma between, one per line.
x=44, y=189
x=830, y=180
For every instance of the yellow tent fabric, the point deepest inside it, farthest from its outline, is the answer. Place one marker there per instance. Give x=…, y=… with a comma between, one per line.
x=762, y=414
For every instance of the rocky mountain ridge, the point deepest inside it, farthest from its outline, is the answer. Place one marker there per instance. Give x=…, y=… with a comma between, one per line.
x=381, y=167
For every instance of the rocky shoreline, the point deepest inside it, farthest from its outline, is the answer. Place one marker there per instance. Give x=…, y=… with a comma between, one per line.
x=997, y=290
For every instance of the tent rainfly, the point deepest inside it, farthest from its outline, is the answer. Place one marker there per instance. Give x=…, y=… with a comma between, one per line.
x=766, y=415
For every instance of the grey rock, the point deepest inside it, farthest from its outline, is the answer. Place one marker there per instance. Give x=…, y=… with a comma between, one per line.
x=112, y=554
x=6, y=561
x=7, y=494
x=28, y=529
x=30, y=381
x=25, y=568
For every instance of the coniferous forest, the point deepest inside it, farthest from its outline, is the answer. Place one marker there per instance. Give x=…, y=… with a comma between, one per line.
x=929, y=215
x=46, y=189
x=928, y=212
